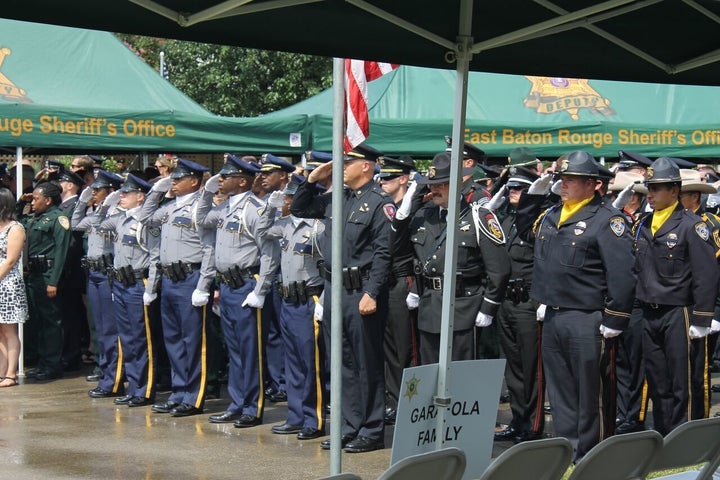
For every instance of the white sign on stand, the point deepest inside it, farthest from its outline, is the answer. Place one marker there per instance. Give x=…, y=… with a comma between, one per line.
x=474, y=387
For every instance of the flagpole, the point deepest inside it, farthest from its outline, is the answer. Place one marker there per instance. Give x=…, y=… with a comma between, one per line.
x=18, y=194
x=163, y=72
x=336, y=286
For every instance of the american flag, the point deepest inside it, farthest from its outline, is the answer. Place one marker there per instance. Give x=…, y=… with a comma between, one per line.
x=163, y=67
x=357, y=75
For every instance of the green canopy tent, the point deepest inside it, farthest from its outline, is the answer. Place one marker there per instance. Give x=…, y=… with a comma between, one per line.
x=66, y=89
x=411, y=109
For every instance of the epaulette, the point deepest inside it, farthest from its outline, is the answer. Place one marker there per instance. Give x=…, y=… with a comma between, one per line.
x=255, y=201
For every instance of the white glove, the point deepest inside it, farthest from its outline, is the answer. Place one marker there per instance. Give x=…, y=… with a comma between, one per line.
x=213, y=184
x=623, y=197
x=112, y=199
x=698, y=332
x=556, y=187
x=483, y=320
x=404, y=210
x=254, y=301
x=318, y=314
x=148, y=298
x=163, y=185
x=199, y=298
x=276, y=199
x=540, y=313
x=714, y=326
x=541, y=186
x=85, y=195
x=608, y=332
x=412, y=301
x=498, y=199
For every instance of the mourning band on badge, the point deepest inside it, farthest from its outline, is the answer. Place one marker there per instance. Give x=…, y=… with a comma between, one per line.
x=672, y=240
x=617, y=225
x=580, y=228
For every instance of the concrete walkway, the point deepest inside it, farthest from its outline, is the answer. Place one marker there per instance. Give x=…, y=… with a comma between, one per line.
x=54, y=430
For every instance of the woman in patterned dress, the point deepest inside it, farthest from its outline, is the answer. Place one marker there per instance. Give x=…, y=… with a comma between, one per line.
x=13, y=302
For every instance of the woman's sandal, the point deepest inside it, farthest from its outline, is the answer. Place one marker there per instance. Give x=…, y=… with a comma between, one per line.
x=11, y=379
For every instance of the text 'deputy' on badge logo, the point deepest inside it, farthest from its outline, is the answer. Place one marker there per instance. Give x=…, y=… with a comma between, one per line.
x=557, y=94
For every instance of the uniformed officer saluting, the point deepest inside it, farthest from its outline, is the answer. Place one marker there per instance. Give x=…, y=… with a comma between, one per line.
x=187, y=262
x=677, y=288
x=136, y=276
x=483, y=266
x=48, y=237
x=583, y=273
x=367, y=214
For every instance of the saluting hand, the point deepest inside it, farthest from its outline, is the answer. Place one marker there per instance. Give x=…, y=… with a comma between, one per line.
x=368, y=305
x=321, y=173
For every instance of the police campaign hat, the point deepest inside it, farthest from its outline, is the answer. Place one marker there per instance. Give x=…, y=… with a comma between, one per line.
x=522, y=157
x=106, y=179
x=692, y=182
x=628, y=159
x=271, y=163
x=236, y=166
x=623, y=179
x=363, y=151
x=314, y=159
x=469, y=151
x=133, y=183
x=186, y=167
x=578, y=163
x=439, y=170
x=293, y=184
x=68, y=176
x=663, y=170
x=393, y=167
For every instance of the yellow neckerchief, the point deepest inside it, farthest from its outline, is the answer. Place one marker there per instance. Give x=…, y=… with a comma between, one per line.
x=660, y=217
x=570, y=209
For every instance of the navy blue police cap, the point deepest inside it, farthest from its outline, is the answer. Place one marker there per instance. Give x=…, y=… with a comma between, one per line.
x=135, y=184
x=106, y=179
x=292, y=186
x=96, y=160
x=271, y=163
x=363, y=151
x=72, y=177
x=236, y=166
x=186, y=167
x=628, y=159
x=314, y=159
x=56, y=164
x=394, y=167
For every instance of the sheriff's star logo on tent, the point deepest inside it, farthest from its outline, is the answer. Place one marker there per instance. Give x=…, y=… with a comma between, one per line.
x=557, y=94
x=8, y=90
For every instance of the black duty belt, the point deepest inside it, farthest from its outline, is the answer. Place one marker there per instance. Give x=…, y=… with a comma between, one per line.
x=656, y=306
x=436, y=283
x=129, y=276
x=39, y=263
x=295, y=292
x=178, y=271
x=235, y=276
x=352, y=276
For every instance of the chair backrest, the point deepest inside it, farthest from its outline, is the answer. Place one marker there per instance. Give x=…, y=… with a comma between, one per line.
x=445, y=464
x=623, y=457
x=693, y=442
x=545, y=459
x=342, y=476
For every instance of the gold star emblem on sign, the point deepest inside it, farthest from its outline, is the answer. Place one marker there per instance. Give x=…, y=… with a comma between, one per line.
x=411, y=387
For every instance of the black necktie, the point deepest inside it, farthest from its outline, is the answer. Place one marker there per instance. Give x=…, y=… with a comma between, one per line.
x=443, y=215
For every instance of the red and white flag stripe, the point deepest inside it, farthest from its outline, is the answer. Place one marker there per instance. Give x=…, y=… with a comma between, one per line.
x=357, y=75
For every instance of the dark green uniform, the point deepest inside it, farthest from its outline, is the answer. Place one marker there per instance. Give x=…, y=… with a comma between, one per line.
x=48, y=237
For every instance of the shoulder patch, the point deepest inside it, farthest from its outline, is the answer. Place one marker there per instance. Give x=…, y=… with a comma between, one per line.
x=617, y=225
x=487, y=223
x=389, y=211
x=702, y=231
x=64, y=222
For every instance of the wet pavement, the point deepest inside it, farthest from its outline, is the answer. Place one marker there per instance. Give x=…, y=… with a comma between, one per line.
x=54, y=430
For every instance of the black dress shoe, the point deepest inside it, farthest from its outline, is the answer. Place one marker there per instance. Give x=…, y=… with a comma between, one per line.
x=364, y=444
x=184, y=410
x=98, y=392
x=308, y=433
x=45, y=376
x=246, y=421
x=123, y=400
x=225, y=417
x=629, y=426
x=508, y=433
x=527, y=437
x=325, y=444
x=140, y=402
x=270, y=391
x=505, y=397
x=280, y=396
x=390, y=416
x=164, y=407
x=32, y=372
x=93, y=377
x=286, y=429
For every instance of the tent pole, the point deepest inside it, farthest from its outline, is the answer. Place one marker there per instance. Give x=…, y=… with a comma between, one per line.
x=463, y=55
x=336, y=287
x=18, y=194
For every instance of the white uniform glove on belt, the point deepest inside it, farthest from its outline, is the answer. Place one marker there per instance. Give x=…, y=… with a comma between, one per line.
x=540, y=313
x=698, y=332
x=483, y=320
x=412, y=301
x=608, y=332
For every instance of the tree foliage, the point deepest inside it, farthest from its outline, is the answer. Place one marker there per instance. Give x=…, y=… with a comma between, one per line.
x=234, y=81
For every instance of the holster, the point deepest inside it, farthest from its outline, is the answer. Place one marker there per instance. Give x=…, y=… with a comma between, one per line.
x=292, y=292
x=236, y=277
x=301, y=292
x=417, y=273
x=179, y=271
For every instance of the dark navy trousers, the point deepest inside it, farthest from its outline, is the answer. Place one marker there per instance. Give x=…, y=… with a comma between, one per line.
x=273, y=341
x=100, y=304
